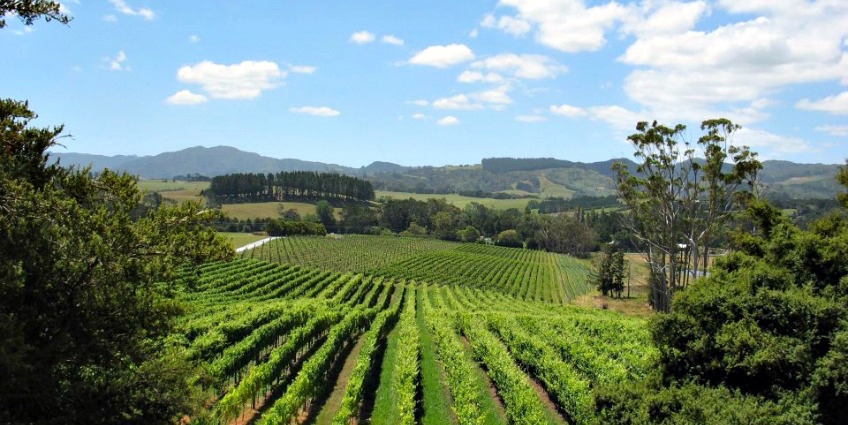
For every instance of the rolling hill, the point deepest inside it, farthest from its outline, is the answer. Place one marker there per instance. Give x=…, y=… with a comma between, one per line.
x=534, y=177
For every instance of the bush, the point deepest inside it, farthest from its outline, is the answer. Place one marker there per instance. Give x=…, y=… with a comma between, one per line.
x=292, y=228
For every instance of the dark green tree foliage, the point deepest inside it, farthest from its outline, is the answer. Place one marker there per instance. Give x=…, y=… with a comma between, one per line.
x=566, y=235
x=468, y=234
x=610, y=271
x=326, y=214
x=83, y=320
x=509, y=238
x=770, y=324
x=280, y=227
x=283, y=186
x=357, y=219
x=28, y=11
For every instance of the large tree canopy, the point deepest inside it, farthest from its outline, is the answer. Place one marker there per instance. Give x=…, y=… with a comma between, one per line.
x=83, y=317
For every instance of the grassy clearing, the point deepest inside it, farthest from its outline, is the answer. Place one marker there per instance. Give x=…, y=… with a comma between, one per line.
x=177, y=191
x=241, y=239
x=385, y=402
x=334, y=400
x=264, y=209
x=458, y=200
x=436, y=396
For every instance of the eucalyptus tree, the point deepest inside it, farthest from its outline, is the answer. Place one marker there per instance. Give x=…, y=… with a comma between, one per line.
x=680, y=196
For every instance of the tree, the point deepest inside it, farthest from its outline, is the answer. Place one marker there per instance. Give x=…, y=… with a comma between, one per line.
x=83, y=315
x=444, y=226
x=565, y=235
x=468, y=234
x=357, y=219
x=326, y=214
x=678, y=202
x=28, y=11
x=609, y=271
x=289, y=214
x=509, y=238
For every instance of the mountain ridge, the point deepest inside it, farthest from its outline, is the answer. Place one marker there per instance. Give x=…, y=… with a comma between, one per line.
x=519, y=176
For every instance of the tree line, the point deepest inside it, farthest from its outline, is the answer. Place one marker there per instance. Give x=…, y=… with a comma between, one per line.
x=288, y=185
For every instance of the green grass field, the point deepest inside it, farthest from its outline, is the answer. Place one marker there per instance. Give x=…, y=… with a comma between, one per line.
x=264, y=209
x=177, y=191
x=241, y=239
x=458, y=200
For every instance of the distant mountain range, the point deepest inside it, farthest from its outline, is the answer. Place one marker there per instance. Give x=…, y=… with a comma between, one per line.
x=529, y=177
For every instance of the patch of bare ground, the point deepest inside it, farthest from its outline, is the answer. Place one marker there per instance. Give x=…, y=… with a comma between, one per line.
x=553, y=409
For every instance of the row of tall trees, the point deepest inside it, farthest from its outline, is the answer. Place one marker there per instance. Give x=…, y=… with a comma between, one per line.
x=258, y=187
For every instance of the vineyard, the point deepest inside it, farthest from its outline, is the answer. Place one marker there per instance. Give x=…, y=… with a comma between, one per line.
x=277, y=343
x=527, y=274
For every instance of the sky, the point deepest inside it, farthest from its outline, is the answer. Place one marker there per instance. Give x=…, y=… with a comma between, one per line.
x=434, y=82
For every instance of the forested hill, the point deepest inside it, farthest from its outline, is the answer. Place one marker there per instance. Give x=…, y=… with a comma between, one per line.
x=505, y=165
x=525, y=177
x=214, y=161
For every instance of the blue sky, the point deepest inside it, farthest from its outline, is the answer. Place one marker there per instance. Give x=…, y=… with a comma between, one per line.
x=435, y=82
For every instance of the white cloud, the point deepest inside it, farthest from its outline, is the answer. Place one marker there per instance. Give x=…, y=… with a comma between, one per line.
x=656, y=18
x=443, y=56
x=473, y=33
x=566, y=25
x=728, y=70
x=302, y=69
x=834, y=130
x=507, y=24
x=118, y=63
x=458, y=102
x=419, y=116
x=770, y=142
x=568, y=111
x=361, y=37
x=390, y=39
x=194, y=38
x=836, y=104
x=531, y=118
x=318, y=111
x=110, y=18
x=497, y=96
x=23, y=31
x=478, y=77
x=245, y=80
x=419, y=102
x=185, y=97
x=619, y=118
x=122, y=7
x=531, y=67
x=448, y=120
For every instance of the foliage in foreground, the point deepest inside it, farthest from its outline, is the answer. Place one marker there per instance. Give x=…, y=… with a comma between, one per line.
x=765, y=336
x=83, y=323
